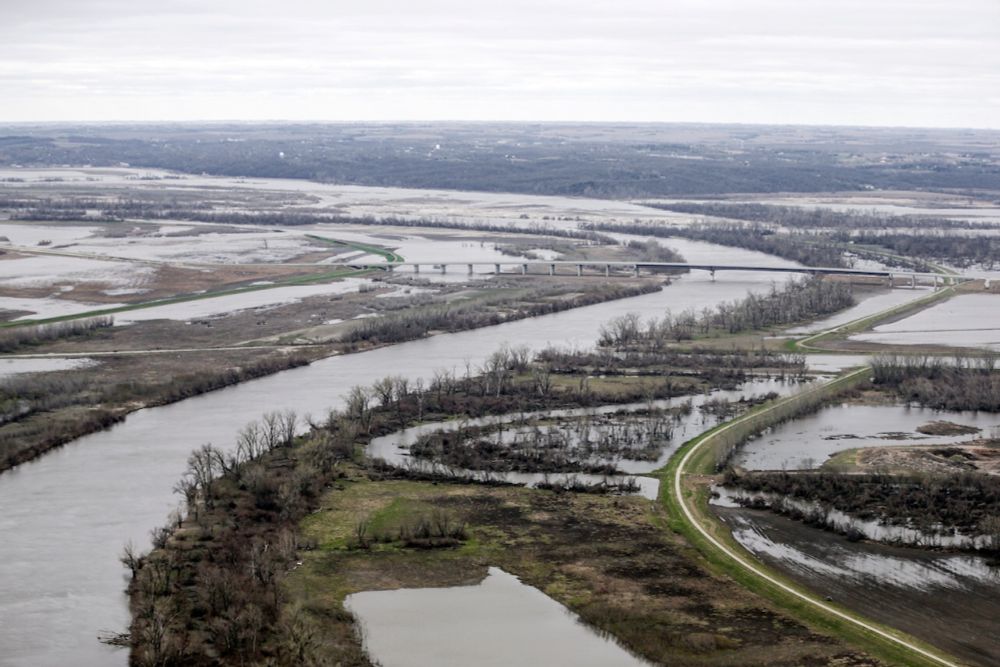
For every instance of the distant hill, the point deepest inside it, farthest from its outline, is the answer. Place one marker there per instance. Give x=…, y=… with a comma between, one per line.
x=596, y=160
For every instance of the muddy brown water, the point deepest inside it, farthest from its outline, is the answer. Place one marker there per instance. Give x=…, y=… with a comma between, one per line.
x=950, y=600
x=67, y=515
x=967, y=320
x=496, y=623
x=808, y=441
x=392, y=448
x=841, y=522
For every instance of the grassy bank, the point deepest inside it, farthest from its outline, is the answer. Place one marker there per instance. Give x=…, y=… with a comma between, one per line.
x=808, y=344
x=184, y=298
x=684, y=495
x=308, y=279
x=389, y=255
x=275, y=536
x=605, y=558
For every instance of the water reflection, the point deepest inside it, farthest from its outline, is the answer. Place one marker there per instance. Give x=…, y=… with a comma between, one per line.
x=393, y=447
x=808, y=441
x=68, y=514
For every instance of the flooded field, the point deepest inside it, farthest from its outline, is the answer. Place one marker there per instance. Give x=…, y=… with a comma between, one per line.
x=192, y=242
x=806, y=442
x=348, y=199
x=868, y=303
x=967, y=320
x=951, y=599
x=834, y=363
x=393, y=448
x=221, y=305
x=37, y=271
x=11, y=367
x=498, y=622
x=75, y=507
x=39, y=308
x=840, y=522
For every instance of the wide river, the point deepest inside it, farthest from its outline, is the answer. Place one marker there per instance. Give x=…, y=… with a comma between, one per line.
x=67, y=515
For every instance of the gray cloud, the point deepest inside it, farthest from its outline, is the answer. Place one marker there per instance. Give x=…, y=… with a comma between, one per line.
x=893, y=62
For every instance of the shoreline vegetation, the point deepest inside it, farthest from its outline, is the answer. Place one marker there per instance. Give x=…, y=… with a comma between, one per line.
x=685, y=495
x=937, y=503
x=218, y=586
x=181, y=607
x=802, y=248
x=208, y=590
x=29, y=426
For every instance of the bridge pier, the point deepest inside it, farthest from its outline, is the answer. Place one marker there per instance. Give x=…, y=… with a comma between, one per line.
x=639, y=269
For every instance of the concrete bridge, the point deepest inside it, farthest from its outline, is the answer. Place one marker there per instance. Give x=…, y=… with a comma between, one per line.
x=606, y=268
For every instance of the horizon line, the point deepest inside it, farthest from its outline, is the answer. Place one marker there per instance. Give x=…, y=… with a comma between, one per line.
x=477, y=121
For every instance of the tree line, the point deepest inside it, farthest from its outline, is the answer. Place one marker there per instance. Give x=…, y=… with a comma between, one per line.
x=211, y=590
x=807, y=217
x=966, y=502
x=797, y=301
x=453, y=317
x=12, y=339
x=956, y=249
x=962, y=382
x=804, y=249
x=120, y=210
x=619, y=162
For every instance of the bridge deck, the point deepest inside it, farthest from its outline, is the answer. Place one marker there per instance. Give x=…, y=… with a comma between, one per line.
x=824, y=270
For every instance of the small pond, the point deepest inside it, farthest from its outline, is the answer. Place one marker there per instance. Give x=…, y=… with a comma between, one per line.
x=498, y=622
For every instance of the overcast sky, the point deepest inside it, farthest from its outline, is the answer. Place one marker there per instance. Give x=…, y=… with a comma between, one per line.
x=857, y=62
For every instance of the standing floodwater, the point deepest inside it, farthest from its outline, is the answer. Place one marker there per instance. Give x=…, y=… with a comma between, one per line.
x=951, y=598
x=808, y=441
x=67, y=515
x=500, y=622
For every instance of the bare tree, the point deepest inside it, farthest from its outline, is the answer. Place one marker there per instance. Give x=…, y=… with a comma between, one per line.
x=287, y=426
x=358, y=406
x=131, y=559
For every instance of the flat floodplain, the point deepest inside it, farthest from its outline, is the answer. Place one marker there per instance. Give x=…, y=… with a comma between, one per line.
x=966, y=320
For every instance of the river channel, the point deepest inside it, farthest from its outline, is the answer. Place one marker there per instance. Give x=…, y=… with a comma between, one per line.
x=67, y=515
